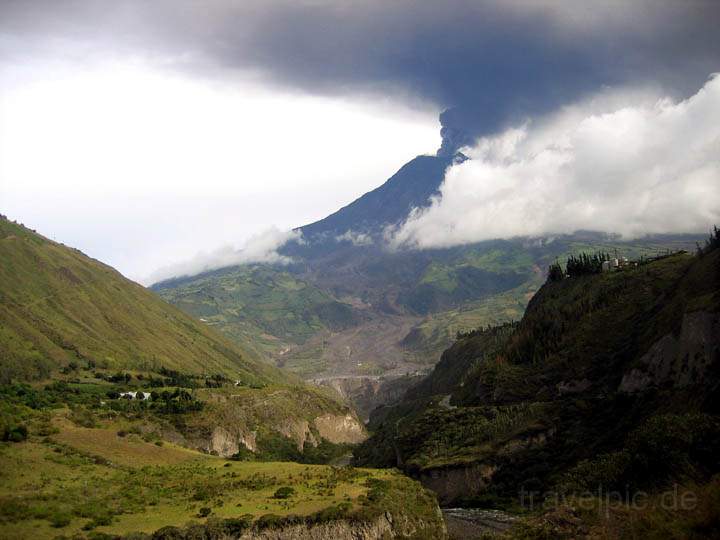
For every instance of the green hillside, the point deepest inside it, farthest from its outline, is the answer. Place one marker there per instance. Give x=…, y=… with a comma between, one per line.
x=59, y=306
x=75, y=468
x=609, y=380
x=81, y=334
x=265, y=307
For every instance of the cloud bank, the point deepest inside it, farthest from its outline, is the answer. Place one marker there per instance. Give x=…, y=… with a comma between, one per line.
x=627, y=162
x=491, y=59
x=260, y=248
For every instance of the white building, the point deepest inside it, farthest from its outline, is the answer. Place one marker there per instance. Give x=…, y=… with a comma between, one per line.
x=135, y=395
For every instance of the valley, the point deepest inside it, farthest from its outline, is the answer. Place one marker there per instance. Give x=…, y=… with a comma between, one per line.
x=343, y=310
x=330, y=270
x=121, y=417
x=267, y=380
x=104, y=442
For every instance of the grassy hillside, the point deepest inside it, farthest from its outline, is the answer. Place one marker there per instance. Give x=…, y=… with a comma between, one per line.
x=609, y=379
x=110, y=476
x=58, y=306
x=436, y=333
x=82, y=333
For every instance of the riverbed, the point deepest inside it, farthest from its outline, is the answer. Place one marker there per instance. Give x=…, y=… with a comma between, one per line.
x=476, y=523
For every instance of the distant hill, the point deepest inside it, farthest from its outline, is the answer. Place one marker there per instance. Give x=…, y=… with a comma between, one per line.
x=59, y=306
x=342, y=309
x=267, y=308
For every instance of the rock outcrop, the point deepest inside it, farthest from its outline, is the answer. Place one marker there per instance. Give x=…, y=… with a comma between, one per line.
x=226, y=440
x=299, y=431
x=679, y=361
x=452, y=483
x=366, y=394
x=384, y=527
x=341, y=429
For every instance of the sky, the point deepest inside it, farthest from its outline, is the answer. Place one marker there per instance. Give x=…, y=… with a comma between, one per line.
x=140, y=169
x=147, y=133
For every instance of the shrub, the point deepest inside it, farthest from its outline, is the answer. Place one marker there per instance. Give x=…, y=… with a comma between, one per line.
x=555, y=272
x=234, y=527
x=59, y=519
x=330, y=513
x=243, y=454
x=665, y=448
x=269, y=521
x=284, y=492
x=17, y=433
x=204, y=512
x=100, y=520
x=168, y=533
x=82, y=417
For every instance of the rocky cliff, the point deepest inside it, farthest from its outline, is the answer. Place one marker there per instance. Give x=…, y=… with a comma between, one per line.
x=367, y=393
x=384, y=527
x=285, y=421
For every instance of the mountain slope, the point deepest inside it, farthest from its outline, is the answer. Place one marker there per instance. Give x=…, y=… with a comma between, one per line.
x=265, y=307
x=609, y=379
x=58, y=306
x=73, y=320
x=410, y=187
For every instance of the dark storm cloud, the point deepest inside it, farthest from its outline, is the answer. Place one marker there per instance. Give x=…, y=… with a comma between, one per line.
x=491, y=61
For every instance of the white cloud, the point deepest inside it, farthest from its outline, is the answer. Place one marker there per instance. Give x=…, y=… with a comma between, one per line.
x=260, y=248
x=648, y=166
x=355, y=238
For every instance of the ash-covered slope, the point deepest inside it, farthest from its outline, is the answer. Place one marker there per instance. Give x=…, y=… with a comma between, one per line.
x=410, y=187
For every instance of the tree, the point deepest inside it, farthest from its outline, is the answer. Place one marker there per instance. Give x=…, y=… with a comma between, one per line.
x=17, y=433
x=555, y=272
